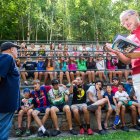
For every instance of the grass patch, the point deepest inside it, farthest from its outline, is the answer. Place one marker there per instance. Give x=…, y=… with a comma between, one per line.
x=133, y=135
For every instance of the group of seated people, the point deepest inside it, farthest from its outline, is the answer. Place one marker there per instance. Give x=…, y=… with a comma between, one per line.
x=57, y=63
x=85, y=98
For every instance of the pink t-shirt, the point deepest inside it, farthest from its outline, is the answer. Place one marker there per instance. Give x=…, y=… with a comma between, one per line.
x=135, y=36
x=72, y=66
x=110, y=66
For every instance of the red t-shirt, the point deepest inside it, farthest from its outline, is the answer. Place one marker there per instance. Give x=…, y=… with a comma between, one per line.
x=135, y=36
x=114, y=89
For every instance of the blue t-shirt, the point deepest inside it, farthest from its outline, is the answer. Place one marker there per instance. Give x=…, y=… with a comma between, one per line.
x=9, y=85
x=40, y=65
x=110, y=97
x=128, y=87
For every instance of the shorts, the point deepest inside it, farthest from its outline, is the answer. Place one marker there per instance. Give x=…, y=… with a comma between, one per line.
x=129, y=103
x=60, y=107
x=42, y=109
x=73, y=71
x=78, y=106
x=112, y=106
x=30, y=74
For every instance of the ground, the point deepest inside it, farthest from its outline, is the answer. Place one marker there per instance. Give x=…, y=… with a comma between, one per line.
x=112, y=135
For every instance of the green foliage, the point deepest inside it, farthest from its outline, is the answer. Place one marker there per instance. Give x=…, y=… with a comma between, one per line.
x=88, y=20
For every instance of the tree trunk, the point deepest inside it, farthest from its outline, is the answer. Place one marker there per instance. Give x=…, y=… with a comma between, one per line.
x=29, y=23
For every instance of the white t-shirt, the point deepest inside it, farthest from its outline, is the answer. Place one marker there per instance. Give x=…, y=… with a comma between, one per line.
x=100, y=65
x=93, y=91
x=122, y=96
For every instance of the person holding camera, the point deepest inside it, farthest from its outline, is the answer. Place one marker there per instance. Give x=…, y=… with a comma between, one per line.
x=95, y=102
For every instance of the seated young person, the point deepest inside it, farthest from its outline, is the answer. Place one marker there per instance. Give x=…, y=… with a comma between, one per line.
x=123, y=99
x=42, y=105
x=109, y=95
x=79, y=104
x=58, y=97
x=26, y=108
x=96, y=101
x=30, y=66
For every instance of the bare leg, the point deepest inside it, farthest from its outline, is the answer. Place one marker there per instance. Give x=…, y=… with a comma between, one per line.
x=54, y=117
x=76, y=116
x=45, y=117
x=61, y=77
x=66, y=109
x=29, y=118
x=36, y=118
x=98, y=117
x=68, y=76
x=20, y=116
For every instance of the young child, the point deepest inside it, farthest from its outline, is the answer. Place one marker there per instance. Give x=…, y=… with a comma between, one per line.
x=26, y=108
x=111, y=105
x=122, y=98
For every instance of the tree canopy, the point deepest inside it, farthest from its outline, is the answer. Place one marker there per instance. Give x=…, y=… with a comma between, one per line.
x=87, y=20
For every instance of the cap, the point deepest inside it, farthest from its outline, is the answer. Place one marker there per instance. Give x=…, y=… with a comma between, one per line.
x=7, y=45
x=26, y=90
x=129, y=77
x=55, y=81
x=115, y=78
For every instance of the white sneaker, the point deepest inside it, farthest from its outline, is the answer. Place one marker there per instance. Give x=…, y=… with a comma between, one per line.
x=26, y=83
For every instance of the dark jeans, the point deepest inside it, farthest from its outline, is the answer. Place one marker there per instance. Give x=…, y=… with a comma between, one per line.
x=5, y=125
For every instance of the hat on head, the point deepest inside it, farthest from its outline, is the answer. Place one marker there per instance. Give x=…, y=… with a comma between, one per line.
x=115, y=78
x=7, y=45
x=55, y=81
x=26, y=90
x=129, y=77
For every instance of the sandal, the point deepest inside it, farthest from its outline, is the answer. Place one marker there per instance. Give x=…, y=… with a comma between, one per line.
x=28, y=132
x=19, y=132
x=103, y=126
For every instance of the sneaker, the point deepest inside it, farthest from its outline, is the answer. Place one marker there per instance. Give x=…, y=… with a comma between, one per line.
x=26, y=83
x=40, y=134
x=28, y=132
x=19, y=132
x=126, y=129
x=102, y=132
x=73, y=132
x=136, y=127
x=89, y=131
x=56, y=132
x=46, y=133
x=139, y=119
x=117, y=120
x=82, y=131
x=92, y=107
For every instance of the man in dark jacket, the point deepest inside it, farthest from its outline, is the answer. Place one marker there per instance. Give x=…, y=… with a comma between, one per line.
x=9, y=87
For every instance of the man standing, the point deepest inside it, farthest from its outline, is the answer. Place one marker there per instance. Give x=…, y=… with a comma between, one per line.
x=130, y=20
x=9, y=87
